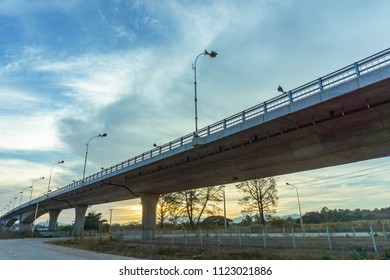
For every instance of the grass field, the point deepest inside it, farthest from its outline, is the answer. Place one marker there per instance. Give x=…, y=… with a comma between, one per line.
x=172, y=252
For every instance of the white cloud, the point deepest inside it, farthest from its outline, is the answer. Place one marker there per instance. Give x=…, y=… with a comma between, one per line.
x=96, y=80
x=29, y=132
x=17, y=100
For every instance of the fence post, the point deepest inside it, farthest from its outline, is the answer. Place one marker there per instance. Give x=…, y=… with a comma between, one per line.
x=201, y=237
x=219, y=238
x=264, y=239
x=373, y=239
x=353, y=232
x=284, y=236
x=172, y=237
x=328, y=234
x=293, y=236
x=239, y=238
x=384, y=231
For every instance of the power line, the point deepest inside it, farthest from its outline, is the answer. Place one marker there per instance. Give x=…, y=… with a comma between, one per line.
x=325, y=180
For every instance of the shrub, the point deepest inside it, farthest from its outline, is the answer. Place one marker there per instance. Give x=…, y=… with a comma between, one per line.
x=386, y=254
x=358, y=253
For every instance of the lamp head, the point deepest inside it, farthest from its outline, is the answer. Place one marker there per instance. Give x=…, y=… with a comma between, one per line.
x=280, y=89
x=103, y=135
x=212, y=54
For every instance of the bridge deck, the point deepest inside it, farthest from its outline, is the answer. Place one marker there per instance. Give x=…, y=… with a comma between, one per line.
x=342, y=117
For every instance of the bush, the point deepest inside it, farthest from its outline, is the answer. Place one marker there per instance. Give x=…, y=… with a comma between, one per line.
x=386, y=254
x=358, y=253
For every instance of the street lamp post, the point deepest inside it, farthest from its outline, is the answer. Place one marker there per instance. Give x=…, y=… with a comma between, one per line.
x=32, y=186
x=21, y=197
x=224, y=209
x=299, y=206
x=212, y=54
x=36, y=212
x=110, y=219
x=86, y=151
x=51, y=171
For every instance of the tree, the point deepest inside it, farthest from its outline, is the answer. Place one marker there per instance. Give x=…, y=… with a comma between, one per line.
x=247, y=221
x=93, y=220
x=260, y=197
x=199, y=202
x=215, y=221
x=168, y=207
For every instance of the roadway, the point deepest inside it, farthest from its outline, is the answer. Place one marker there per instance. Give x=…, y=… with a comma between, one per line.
x=38, y=249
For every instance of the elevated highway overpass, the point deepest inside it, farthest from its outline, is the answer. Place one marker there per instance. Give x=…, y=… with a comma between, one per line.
x=340, y=118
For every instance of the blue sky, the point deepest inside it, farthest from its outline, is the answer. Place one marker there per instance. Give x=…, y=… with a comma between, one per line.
x=72, y=69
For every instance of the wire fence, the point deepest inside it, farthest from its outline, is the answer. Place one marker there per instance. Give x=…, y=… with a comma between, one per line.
x=369, y=236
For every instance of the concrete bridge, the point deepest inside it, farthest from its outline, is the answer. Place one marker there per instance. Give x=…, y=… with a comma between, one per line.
x=340, y=118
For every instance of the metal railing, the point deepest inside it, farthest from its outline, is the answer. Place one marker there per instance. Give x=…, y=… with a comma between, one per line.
x=336, y=78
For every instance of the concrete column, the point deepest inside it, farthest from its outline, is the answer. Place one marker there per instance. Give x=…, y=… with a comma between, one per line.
x=149, y=204
x=78, y=227
x=53, y=217
x=25, y=226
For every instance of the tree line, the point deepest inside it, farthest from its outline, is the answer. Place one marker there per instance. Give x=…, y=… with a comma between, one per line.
x=326, y=215
x=200, y=208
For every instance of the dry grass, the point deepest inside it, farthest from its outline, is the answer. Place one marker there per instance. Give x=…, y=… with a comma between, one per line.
x=176, y=252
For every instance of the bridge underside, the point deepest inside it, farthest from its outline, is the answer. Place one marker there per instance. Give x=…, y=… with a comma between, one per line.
x=345, y=129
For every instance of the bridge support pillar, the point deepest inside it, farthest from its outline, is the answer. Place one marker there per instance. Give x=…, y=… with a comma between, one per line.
x=53, y=217
x=25, y=226
x=149, y=204
x=78, y=227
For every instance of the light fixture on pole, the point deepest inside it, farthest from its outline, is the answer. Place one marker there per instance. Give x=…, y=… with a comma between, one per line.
x=280, y=89
x=86, y=151
x=211, y=54
x=299, y=206
x=51, y=171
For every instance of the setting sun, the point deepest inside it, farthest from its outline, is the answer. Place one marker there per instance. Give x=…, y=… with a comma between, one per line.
x=136, y=208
